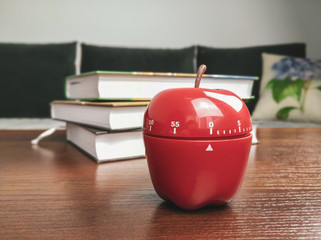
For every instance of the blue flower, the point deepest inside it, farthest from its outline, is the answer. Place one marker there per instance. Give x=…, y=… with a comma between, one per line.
x=297, y=68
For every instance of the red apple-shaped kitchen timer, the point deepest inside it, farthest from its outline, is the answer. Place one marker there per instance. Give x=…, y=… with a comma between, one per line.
x=197, y=144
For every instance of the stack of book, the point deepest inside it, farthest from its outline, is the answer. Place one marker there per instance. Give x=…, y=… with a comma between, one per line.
x=105, y=110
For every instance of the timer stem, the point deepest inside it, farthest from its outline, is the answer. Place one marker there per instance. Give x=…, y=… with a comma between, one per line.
x=200, y=72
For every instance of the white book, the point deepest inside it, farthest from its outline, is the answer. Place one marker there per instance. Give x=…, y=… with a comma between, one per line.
x=145, y=85
x=104, y=146
x=112, y=116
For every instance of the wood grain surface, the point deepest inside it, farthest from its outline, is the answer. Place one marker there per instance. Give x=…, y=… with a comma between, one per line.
x=54, y=191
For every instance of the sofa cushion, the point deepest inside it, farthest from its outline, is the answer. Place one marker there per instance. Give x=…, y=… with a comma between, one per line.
x=32, y=75
x=290, y=89
x=137, y=59
x=244, y=61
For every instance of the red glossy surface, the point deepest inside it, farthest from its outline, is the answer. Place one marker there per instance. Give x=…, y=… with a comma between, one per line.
x=190, y=174
x=197, y=113
x=197, y=144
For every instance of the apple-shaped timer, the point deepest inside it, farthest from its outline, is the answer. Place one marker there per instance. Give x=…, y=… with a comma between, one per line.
x=197, y=144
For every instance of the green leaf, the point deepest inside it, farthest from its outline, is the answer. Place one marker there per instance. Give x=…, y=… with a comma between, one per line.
x=282, y=89
x=319, y=88
x=283, y=113
x=270, y=84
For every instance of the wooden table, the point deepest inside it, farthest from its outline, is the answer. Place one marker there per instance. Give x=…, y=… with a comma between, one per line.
x=54, y=191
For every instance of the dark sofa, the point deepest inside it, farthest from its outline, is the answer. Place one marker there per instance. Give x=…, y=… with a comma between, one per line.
x=31, y=75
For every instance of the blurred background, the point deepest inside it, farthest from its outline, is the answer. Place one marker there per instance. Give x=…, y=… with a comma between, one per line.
x=163, y=24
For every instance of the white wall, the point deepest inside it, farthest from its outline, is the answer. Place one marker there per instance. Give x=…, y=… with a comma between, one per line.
x=165, y=23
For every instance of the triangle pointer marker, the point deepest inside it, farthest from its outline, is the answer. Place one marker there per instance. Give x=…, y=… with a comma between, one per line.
x=209, y=148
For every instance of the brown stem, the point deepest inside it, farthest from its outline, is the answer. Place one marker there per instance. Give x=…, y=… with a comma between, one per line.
x=200, y=72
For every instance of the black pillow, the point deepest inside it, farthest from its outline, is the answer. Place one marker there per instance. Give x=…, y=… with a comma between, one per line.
x=32, y=75
x=244, y=61
x=137, y=59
